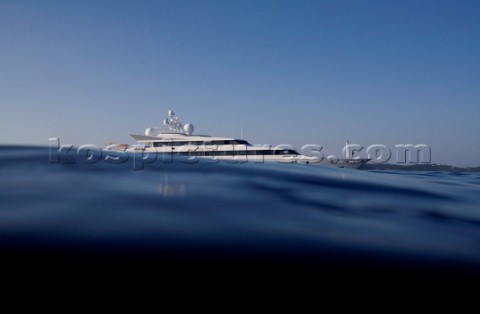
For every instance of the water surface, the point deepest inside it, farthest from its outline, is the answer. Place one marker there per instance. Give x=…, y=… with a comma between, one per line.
x=248, y=212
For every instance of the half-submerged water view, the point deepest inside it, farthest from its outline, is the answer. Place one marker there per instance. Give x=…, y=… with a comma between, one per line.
x=263, y=181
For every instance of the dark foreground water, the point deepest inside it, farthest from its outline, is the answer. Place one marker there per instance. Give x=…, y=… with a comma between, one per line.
x=232, y=214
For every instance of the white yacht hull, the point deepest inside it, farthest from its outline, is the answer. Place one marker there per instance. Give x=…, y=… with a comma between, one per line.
x=169, y=156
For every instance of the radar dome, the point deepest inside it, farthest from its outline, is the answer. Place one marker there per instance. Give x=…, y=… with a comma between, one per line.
x=188, y=128
x=171, y=113
x=150, y=132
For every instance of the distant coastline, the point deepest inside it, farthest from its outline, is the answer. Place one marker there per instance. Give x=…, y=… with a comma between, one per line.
x=420, y=167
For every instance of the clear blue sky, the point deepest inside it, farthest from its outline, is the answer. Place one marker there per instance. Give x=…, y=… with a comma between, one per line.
x=298, y=72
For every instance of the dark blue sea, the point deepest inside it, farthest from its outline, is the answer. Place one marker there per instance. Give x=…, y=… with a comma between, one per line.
x=270, y=214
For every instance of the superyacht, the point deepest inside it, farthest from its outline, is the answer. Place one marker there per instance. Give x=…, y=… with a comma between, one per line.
x=178, y=139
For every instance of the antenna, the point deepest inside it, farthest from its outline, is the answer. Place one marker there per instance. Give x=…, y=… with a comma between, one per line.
x=172, y=122
x=241, y=131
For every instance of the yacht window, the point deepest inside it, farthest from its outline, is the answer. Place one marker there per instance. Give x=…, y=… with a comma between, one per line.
x=219, y=142
x=285, y=152
x=242, y=142
x=257, y=152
